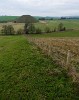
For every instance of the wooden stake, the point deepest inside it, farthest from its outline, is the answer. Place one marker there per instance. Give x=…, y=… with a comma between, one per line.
x=68, y=58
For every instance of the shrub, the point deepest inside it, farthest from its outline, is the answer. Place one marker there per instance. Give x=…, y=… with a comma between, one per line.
x=54, y=29
x=20, y=31
x=64, y=28
x=47, y=30
x=61, y=27
x=38, y=31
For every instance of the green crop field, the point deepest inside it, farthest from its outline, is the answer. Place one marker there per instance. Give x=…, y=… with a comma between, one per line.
x=8, y=18
x=27, y=74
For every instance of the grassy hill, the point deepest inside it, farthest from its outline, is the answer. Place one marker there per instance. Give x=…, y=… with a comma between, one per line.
x=25, y=19
x=8, y=18
x=27, y=74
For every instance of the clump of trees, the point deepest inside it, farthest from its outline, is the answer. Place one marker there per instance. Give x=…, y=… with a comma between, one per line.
x=8, y=30
x=29, y=28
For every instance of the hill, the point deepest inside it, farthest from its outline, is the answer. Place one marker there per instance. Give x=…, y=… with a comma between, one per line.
x=7, y=18
x=26, y=18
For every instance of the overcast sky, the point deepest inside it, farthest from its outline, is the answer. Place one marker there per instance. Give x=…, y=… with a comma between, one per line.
x=40, y=7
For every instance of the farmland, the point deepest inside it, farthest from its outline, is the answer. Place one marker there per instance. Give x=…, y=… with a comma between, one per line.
x=63, y=51
x=8, y=18
x=33, y=67
x=25, y=73
x=69, y=24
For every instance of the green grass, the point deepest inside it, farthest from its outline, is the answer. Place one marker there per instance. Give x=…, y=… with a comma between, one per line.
x=58, y=34
x=27, y=74
x=69, y=24
x=8, y=18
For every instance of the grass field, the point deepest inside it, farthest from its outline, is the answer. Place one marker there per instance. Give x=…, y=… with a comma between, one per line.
x=69, y=24
x=27, y=74
x=8, y=18
x=74, y=33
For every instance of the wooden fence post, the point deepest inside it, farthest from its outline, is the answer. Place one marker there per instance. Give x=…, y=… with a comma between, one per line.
x=49, y=48
x=68, y=59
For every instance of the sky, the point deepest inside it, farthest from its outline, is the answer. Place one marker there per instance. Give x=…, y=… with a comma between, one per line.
x=40, y=7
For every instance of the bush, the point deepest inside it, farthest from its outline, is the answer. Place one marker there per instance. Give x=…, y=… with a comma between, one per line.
x=64, y=28
x=8, y=30
x=54, y=30
x=20, y=31
x=61, y=27
x=47, y=30
x=38, y=31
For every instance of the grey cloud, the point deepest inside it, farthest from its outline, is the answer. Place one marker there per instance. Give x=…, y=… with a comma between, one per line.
x=39, y=7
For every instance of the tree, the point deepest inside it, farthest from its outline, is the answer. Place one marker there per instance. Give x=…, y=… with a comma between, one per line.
x=60, y=27
x=8, y=30
x=4, y=29
x=29, y=28
x=26, y=31
x=64, y=28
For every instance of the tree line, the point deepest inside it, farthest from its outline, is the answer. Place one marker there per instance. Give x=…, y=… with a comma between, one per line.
x=29, y=28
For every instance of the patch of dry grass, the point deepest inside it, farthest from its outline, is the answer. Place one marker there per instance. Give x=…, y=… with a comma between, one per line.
x=64, y=52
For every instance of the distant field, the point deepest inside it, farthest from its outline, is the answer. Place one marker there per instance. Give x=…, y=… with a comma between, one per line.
x=27, y=74
x=69, y=24
x=8, y=18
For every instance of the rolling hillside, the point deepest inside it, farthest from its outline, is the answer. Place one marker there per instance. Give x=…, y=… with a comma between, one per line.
x=8, y=18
